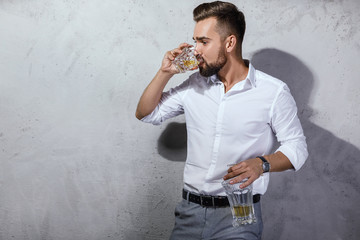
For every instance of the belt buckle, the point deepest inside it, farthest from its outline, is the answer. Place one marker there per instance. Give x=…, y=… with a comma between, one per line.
x=202, y=200
x=207, y=205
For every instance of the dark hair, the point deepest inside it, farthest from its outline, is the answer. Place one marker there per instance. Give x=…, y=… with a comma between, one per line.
x=229, y=19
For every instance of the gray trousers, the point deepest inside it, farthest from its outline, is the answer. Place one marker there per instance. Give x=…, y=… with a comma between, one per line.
x=193, y=221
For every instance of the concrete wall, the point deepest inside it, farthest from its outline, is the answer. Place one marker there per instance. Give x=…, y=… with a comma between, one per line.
x=76, y=164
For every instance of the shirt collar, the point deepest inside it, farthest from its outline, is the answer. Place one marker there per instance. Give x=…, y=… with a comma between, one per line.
x=214, y=78
x=251, y=73
x=250, y=76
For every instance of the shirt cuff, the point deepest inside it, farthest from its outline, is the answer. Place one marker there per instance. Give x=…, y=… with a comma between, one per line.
x=296, y=156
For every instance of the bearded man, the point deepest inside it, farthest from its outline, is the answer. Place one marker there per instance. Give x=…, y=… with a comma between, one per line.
x=232, y=112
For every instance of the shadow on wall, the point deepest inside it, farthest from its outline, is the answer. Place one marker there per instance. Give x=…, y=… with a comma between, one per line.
x=172, y=142
x=319, y=201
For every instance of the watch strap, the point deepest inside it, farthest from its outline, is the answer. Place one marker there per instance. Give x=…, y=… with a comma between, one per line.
x=262, y=159
x=266, y=164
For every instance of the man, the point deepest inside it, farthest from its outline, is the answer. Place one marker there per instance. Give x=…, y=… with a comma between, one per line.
x=232, y=112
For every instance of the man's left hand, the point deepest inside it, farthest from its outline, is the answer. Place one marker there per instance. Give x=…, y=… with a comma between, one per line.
x=251, y=169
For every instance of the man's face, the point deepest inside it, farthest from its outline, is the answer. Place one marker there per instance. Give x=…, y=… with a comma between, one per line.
x=209, y=47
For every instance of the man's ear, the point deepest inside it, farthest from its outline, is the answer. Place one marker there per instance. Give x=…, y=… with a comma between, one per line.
x=230, y=43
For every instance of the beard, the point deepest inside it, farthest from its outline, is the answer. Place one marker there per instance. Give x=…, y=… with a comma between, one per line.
x=213, y=68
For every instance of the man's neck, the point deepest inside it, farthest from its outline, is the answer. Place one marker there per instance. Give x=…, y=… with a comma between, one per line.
x=234, y=71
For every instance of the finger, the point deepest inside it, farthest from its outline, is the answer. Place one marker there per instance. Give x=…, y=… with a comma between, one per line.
x=172, y=54
x=184, y=45
x=236, y=167
x=175, y=52
x=238, y=179
x=234, y=173
x=248, y=182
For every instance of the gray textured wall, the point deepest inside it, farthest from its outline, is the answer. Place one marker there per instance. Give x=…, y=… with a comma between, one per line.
x=76, y=164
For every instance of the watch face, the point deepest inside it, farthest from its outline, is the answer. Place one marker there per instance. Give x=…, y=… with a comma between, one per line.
x=266, y=167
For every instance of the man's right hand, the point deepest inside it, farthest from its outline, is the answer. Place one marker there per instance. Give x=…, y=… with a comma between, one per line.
x=167, y=66
x=152, y=94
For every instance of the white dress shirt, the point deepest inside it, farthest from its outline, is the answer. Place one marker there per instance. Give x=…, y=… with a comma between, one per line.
x=227, y=128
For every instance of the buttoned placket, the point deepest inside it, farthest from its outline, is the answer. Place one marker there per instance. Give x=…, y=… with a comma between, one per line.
x=218, y=130
x=219, y=121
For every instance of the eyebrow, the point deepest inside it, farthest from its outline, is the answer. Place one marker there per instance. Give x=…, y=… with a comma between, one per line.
x=201, y=38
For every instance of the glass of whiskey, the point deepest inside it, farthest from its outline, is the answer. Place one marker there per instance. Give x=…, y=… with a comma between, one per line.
x=186, y=61
x=241, y=203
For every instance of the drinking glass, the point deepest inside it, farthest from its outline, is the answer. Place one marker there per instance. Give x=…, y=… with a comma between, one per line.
x=186, y=61
x=241, y=202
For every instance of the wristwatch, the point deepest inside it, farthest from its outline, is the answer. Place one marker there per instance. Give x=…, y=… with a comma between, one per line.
x=265, y=165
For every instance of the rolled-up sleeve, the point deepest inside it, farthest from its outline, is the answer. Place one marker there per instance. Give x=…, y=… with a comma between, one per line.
x=287, y=128
x=170, y=105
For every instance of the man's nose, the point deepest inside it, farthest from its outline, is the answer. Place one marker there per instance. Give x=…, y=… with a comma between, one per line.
x=196, y=50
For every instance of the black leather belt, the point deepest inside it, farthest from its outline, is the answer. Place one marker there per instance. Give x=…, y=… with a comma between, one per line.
x=211, y=201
